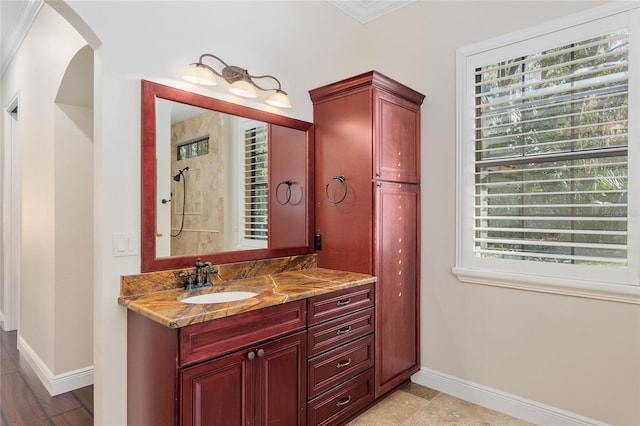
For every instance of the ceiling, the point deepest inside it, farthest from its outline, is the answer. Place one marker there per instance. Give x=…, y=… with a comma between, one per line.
x=365, y=11
x=16, y=16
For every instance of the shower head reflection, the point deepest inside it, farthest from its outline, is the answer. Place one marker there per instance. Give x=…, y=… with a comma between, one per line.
x=180, y=173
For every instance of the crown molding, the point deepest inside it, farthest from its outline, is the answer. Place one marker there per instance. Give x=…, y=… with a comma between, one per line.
x=19, y=25
x=365, y=11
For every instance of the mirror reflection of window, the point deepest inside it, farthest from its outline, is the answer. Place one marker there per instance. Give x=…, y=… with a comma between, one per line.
x=194, y=148
x=254, y=180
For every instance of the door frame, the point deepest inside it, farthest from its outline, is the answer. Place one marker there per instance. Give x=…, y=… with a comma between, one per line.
x=11, y=219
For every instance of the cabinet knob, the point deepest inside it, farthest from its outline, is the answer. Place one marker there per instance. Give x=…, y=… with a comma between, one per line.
x=260, y=353
x=251, y=355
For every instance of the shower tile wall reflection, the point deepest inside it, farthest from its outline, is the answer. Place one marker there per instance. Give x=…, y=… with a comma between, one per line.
x=203, y=228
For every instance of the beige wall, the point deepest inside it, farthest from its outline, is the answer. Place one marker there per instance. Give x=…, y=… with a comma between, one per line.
x=73, y=306
x=556, y=350
x=56, y=172
x=575, y=354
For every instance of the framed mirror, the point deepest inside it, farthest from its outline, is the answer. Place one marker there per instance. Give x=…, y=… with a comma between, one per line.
x=221, y=181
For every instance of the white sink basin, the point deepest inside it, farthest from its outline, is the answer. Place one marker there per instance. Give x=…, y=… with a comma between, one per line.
x=221, y=297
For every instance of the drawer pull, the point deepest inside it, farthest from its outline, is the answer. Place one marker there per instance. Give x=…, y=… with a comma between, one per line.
x=343, y=330
x=343, y=364
x=344, y=402
x=343, y=302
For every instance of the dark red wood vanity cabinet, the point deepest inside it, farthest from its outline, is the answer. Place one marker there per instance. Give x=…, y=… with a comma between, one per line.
x=367, y=205
x=340, y=345
x=247, y=369
x=255, y=386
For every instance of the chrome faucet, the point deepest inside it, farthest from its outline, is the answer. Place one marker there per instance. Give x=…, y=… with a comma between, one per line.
x=202, y=275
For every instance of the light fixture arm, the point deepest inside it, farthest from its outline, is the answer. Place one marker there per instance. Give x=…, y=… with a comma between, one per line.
x=279, y=89
x=209, y=55
x=232, y=73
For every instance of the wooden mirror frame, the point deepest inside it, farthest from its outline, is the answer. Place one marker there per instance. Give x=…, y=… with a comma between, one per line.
x=149, y=262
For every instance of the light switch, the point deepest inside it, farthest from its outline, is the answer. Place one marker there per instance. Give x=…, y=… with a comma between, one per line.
x=125, y=244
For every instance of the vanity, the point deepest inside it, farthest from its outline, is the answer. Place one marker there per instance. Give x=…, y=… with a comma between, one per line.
x=298, y=352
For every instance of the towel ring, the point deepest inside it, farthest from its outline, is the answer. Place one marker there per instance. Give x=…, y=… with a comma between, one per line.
x=343, y=181
x=288, y=192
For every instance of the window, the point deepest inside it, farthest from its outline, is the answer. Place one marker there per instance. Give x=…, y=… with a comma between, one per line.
x=255, y=184
x=547, y=159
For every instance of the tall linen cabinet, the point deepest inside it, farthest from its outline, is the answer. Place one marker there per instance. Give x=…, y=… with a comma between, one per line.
x=367, y=206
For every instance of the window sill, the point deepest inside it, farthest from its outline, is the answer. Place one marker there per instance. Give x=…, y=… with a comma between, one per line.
x=567, y=287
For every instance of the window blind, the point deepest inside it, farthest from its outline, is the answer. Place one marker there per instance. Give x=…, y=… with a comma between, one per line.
x=255, y=183
x=551, y=141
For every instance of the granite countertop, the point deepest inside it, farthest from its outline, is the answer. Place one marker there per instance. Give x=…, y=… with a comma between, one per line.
x=165, y=308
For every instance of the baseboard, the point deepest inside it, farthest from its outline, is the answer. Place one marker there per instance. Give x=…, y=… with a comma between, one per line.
x=55, y=384
x=497, y=400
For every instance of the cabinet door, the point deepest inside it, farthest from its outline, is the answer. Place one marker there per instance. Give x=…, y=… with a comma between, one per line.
x=397, y=293
x=287, y=203
x=397, y=138
x=343, y=147
x=280, y=381
x=218, y=392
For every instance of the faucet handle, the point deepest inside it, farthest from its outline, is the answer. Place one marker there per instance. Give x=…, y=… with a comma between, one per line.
x=189, y=276
x=211, y=269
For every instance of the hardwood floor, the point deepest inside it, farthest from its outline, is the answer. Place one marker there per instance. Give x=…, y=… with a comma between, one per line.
x=25, y=401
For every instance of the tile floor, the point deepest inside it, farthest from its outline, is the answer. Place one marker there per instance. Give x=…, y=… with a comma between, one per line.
x=413, y=404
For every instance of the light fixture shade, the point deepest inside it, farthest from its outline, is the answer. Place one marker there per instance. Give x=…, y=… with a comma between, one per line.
x=278, y=99
x=200, y=74
x=243, y=88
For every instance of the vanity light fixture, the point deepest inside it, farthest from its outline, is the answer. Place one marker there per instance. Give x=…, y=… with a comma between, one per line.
x=241, y=83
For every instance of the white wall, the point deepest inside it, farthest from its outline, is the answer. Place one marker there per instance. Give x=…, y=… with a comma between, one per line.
x=55, y=313
x=575, y=354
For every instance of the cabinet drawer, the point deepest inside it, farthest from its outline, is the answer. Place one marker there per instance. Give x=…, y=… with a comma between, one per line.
x=331, y=305
x=202, y=341
x=335, y=366
x=332, y=333
x=340, y=403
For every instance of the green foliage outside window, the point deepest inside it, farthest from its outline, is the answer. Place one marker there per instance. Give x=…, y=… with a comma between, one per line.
x=551, y=154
